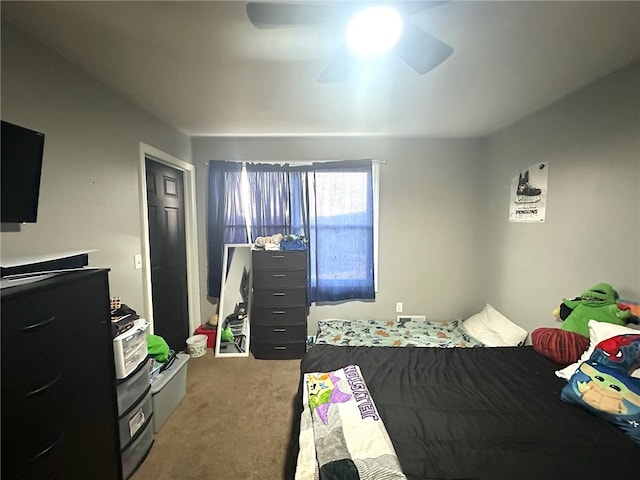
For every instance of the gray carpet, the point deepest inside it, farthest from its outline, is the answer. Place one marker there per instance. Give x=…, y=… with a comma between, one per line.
x=233, y=423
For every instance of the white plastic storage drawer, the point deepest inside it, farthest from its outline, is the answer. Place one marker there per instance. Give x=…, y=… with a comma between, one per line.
x=130, y=347
x=137, y=451
x=125, y=366
x=131, y=390
x=135, y=419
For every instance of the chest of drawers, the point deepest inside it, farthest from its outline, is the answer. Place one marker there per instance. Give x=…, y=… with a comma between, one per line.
x=279, y=304
x=59, y=410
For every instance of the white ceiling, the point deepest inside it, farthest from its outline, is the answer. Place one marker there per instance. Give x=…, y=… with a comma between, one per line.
x=203, y=68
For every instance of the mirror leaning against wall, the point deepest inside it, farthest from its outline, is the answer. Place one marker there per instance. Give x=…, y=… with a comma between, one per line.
x=232, y=336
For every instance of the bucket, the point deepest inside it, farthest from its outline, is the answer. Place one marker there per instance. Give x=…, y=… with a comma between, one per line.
x=197, y=345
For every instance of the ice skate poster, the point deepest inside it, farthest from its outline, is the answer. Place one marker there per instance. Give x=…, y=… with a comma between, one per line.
x=529, y=194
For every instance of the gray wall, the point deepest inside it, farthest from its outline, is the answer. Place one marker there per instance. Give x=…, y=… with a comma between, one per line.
x=591, y=140
x=89, y=197
x=446, y=245
x=428, y=217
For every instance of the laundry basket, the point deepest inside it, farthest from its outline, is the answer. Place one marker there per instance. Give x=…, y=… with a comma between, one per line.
x=197, y=345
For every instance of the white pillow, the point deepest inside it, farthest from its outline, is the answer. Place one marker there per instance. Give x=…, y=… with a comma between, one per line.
x=598, y=331
x=493, y=329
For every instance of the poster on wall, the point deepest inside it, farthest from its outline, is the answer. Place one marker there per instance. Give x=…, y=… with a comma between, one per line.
x=528, y=197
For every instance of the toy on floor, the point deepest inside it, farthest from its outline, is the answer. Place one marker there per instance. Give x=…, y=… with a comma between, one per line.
x=597, y=303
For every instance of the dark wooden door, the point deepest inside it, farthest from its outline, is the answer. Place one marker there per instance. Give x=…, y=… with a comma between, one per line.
x=168, y=253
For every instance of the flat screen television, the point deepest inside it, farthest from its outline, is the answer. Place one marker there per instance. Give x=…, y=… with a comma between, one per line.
x=21, y=166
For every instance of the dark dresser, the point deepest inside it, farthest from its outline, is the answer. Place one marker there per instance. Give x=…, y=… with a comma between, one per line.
x=59, y=410
x=278, y=314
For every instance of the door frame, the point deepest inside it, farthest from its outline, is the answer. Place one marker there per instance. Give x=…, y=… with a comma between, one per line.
x=191, y=232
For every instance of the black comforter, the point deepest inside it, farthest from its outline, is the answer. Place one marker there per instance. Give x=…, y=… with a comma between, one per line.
x=479, y=413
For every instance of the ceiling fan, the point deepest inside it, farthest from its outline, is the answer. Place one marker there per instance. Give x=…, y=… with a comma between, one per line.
x=417, y=48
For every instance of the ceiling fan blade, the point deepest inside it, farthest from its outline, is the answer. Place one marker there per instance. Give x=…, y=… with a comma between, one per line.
x=278, y=15
x=282, y=14
x=338, y=68
x=421, y=51
x=412, y=7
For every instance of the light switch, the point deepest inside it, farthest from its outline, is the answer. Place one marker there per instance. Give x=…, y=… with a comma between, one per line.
x=137, y=261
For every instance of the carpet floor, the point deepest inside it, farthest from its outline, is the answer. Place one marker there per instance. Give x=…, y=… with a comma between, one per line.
x=233, y=424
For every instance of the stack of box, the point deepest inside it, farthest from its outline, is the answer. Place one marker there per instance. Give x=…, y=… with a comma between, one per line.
x=135, y=405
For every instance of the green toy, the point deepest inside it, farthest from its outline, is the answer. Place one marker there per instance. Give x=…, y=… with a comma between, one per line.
x=226, y=334
x=598, y=303
x=158, y=348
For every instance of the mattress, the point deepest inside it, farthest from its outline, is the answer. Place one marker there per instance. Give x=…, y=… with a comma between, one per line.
x=407, y=332
x=478, y=413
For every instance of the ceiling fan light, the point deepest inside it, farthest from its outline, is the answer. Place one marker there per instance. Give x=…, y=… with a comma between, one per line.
x=373, y=30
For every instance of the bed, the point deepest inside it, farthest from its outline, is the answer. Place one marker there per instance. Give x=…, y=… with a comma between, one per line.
x=477, y=413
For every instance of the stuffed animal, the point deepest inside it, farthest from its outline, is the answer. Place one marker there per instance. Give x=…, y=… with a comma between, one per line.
x=269, y=243
x=598, y=303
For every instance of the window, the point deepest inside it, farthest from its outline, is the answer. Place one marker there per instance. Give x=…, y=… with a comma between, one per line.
x=331, y=203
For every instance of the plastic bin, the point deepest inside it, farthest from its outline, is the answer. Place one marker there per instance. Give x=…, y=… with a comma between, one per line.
x=168, y=389
x=131, y=422
x=131, y=389
x=133, y=456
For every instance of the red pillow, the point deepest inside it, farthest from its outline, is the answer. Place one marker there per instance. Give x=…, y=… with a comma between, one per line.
x=561, y=346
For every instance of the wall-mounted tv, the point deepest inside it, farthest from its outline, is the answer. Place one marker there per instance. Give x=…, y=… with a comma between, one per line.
x=21, y=162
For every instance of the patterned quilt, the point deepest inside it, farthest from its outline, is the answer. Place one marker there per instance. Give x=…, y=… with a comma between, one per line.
x=341, y=432
x=391, y=333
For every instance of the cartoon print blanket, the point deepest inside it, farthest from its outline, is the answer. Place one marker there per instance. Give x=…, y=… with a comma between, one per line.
x=341, y=433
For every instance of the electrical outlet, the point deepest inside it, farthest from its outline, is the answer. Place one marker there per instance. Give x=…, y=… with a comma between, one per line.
x=399, y=307
x=137, y=261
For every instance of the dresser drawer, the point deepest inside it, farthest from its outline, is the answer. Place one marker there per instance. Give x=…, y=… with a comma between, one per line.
x=279, y=279
x=278, y=316
x=30, y=434
x=280, y=351
x=50, y=375
x=279, y=260
x=281, y=297
x=45, y=466
x=279, y=334
x=54, y=316
x=53, y=426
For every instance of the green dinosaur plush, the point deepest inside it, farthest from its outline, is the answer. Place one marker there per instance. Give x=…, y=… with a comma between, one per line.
x=598, y=303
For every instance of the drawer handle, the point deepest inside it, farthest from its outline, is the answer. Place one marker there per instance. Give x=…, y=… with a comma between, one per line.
x=277, y=256
x=279, y=348
x=39, y=324
x=279, y=312
x=279, y=329
x=46, y=450
x=44, y=387
x=278, y=275
x=279, y=294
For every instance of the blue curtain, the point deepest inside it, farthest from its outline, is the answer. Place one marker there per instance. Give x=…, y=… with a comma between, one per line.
x=340, y=229
x=269, y=199
x=225, y=219
x=330, y=203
